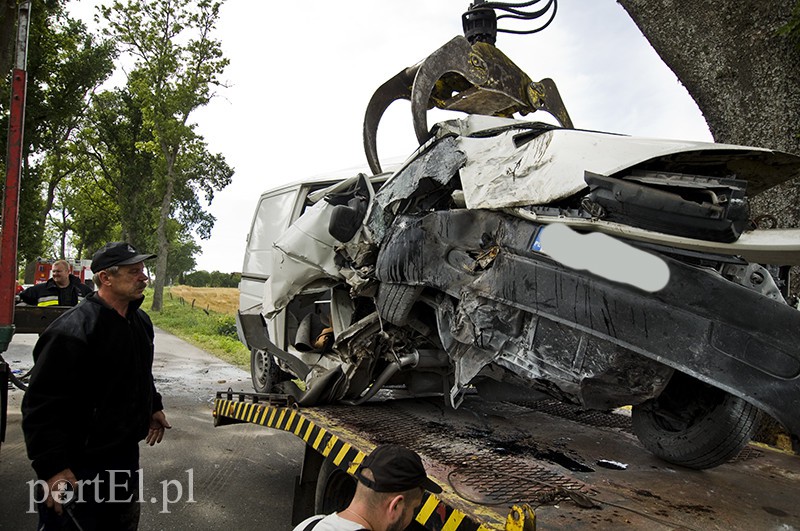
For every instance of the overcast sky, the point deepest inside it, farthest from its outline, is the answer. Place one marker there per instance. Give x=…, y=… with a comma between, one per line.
x=300, y=78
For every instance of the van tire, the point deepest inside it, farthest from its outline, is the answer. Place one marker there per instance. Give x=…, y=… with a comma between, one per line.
x=394, y=301
x=264, y=372
x=693, y=424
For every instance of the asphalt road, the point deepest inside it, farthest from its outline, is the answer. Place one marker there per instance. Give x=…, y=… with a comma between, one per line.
x=201, y=477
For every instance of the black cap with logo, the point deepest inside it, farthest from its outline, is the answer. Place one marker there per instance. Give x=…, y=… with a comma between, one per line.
x=116, y=254
x=395, y=469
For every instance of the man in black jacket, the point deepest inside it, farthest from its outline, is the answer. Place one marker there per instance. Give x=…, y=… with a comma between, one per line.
x=91, y=399
x=63, y=289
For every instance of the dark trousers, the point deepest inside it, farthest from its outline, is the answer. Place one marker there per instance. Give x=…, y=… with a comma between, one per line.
x=96, y=506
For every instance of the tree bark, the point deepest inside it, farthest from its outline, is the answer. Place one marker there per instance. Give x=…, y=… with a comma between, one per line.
x=743, y=75
x=163, y=242
x=8, y=34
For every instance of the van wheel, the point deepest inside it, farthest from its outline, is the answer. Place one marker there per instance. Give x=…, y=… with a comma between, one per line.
x=264, y=372
x=394, y=301
x=335, y=489
x=693, y=424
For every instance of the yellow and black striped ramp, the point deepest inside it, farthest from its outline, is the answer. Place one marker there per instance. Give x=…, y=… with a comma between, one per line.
x=434, y=514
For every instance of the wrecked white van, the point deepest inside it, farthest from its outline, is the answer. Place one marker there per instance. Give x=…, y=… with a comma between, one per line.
x=519, y=259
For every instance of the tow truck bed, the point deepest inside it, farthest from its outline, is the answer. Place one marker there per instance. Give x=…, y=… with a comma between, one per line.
x=500, y=462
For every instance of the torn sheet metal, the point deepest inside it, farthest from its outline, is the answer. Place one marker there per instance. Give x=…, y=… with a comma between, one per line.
x=304, y=254
x=305, y=257
x=499, y=174
x=767, y=246
x=437, y=165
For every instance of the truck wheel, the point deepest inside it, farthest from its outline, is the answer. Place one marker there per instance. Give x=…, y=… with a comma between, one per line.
x=264, y=371
x=335, y=489
x=394, y=301
x=693, y=424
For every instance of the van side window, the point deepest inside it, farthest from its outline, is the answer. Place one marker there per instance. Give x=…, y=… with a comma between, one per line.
x=271, y=220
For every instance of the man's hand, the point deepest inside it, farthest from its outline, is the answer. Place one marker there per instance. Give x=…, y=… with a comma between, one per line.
x=57, y=484
x=158, y=423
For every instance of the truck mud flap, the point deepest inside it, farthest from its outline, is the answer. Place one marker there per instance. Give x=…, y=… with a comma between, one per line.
x=255, y=333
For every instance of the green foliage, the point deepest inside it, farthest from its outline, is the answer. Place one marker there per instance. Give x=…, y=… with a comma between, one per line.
x=116, y=166
x=94, y=216
x=792, y=28
x=65, y=65
x=215, y=279
x=30, y=243
x=97, y=166
x=211, y=331
x=197, y=279
x=8, y=19
x=202, y=174
x=182, y=249
x=226, y=326
x=178, y=65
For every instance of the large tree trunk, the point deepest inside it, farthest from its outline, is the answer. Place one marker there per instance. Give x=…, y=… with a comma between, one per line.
x=163, y=243
x=8, y=34
x=743, y=75
x=746, y=80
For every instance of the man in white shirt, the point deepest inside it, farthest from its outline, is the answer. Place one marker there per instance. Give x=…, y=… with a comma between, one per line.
x=391, y=483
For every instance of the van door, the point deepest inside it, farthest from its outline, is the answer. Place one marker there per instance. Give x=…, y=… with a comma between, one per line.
x=272, y=216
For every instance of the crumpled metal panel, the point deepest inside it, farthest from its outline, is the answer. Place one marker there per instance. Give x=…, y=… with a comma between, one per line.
x=551, y=166
x=700, y=324
x=439, y=163
x=304, y=254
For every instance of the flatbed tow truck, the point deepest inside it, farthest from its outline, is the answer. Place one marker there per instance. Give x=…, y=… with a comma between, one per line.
x=523, y=466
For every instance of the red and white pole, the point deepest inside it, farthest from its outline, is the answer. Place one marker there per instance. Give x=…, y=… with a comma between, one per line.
x=16, y=126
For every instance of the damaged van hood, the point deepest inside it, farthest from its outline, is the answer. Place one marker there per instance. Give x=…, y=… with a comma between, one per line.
x=512, y=163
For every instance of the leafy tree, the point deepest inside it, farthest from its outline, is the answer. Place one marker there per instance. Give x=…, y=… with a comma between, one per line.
x=8, y=32
x=65, y=64
x=94, y=214
x=225, y=280
x=115, y=140
x=197, y=279
x=178, y=64
x=82, y=65
x=202, y=173
x=181, y=252
x=214, y=279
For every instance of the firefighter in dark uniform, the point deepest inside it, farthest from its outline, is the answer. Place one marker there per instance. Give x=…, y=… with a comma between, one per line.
x=63, y=289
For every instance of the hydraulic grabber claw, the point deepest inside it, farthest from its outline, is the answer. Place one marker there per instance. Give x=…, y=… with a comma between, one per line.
x=544, y=96
x=396, y=88
x=473, y=78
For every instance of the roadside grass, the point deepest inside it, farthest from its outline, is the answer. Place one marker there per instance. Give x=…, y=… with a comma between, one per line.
x=221, y=300
x=204, y=328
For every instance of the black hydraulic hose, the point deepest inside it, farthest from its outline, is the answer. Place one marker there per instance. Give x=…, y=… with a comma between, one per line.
x=407, y=360
x=18, y=382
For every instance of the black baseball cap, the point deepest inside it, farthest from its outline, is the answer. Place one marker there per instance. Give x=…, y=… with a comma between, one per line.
x=116, y=254
x=395, y=469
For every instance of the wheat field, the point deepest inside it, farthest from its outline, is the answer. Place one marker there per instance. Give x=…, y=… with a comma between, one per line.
x=221, y=300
